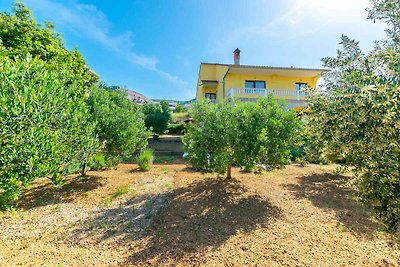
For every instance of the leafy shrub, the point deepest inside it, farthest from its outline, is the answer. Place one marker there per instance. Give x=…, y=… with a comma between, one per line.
x=157, y=116
x=296, y=152
x=145, y=159
x=98, y=162
x=179, y=108
x=22, y=37
x=177, y=128
x=316, y=155
x=48, y=126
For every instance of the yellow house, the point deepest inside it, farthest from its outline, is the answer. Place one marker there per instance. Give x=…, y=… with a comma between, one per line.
x=245, y=82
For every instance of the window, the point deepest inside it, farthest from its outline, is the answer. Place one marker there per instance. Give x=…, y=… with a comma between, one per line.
x=211, y=96
x=299, y=86
x=255, y=84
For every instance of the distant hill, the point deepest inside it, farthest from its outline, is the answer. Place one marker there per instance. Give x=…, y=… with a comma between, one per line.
x=132, y=95
x=137, y=97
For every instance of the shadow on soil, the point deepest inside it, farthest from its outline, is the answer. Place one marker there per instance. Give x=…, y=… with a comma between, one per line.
x=47, y=194
x=187, y=220
x=327, y=191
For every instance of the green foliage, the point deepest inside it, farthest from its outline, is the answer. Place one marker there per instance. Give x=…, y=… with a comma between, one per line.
x=244, y=134
x=357, y=120
x=44, y=124
x=145, y=159
x=22, y=37
x=176, y=116
x=165, y=108
x=120, y=125
x=98, y=162
x=157, y=116
x=177, y=128
x=179, y=108
x=306, y=151
x=48, y=125
x=119, y=191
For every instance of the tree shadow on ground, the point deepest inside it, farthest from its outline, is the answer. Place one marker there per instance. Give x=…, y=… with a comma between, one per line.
x=185, y=221
x=327, y=191
x=47, y=194
x=127, y=222
x=203, y=216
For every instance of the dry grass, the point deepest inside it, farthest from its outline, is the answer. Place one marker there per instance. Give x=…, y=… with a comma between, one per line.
x=172, y=216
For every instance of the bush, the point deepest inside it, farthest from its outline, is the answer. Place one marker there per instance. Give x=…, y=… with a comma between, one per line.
x=98, y=162
x=145, y=159
x=177, y=128
x=157, y=117
x=179, y=108
x=45, y=127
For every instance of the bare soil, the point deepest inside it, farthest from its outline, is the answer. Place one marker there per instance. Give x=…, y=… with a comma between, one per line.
x=173, y=216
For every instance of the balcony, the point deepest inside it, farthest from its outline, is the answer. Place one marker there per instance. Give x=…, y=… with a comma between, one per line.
x=253, y=93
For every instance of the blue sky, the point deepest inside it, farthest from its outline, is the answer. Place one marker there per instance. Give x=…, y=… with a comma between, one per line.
x=155, y=46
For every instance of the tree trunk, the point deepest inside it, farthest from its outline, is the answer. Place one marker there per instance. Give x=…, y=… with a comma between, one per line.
x=229, y=171
x=83, y=170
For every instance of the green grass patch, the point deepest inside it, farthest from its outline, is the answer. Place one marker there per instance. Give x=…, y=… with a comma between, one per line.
x=107, y=202
x=180, y=115
x=119, y=191
x=169, y=186
x=164, y=170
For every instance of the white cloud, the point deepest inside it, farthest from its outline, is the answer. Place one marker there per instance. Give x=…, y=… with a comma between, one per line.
x=298, y=20
x=310, y=16
x=89, y=22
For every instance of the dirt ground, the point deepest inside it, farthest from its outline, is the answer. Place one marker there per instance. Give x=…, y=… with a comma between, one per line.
x=173, y=216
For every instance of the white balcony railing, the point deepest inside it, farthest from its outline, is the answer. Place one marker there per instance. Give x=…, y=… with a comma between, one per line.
x=289, y=94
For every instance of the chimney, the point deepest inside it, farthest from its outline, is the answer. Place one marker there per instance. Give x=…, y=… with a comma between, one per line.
x=236, y=56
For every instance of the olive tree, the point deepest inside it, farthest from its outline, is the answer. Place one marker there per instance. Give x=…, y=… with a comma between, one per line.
x=357, y=119
x=120, y=123
x=44, y=124
x=241, y=134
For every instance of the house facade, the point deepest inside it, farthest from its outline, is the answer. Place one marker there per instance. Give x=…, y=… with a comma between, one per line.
x=219, y=82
